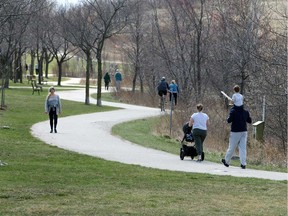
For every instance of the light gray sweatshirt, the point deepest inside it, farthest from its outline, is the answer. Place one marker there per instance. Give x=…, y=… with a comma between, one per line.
x=53, y=101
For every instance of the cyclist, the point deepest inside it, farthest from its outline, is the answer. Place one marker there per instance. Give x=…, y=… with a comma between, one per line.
x=163, y=88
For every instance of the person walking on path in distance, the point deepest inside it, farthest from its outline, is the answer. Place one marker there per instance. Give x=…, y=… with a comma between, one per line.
x=118, y=79
x=237, y=98
x=199, y=121
x=174, y=90
x=53, y=108
x=238, y=117
x=107, y=80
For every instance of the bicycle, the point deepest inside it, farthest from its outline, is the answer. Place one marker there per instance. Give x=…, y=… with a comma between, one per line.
x=162, y=103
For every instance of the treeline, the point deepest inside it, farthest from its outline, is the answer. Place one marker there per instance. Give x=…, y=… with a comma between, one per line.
x=206, y=46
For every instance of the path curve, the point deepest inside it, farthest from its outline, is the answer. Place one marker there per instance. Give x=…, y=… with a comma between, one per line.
x=90, y=134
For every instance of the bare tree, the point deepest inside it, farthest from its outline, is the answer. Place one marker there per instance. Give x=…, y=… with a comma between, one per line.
x=88, y=26
x=13, y=22
x=183, y=40
x=38, y=32
x=274, y=77
x=136, y=41
x=240, y=28
x=109, y=18
x=79, y=31
x=57, y=42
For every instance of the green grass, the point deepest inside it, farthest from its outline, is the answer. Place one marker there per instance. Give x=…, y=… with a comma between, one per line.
x=106, y=96
x=44, y=180
x=141, y=132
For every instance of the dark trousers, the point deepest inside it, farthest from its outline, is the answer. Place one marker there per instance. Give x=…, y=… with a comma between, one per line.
x=175, y=97
x=53, y=117
x=106, y=85
x=199, y=137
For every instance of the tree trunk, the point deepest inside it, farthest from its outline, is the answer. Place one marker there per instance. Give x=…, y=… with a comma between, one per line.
x=31, y=69
x=59, y=63
x=99, y=81
x=88, y=66
x=46, y=69
x=40, y=69
x=141, y=84
x=135, y=78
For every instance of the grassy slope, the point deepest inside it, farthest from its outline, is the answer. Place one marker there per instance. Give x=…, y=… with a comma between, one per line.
x=44, y=180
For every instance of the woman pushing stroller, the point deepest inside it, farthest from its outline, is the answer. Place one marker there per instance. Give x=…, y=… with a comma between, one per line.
x=198, y=124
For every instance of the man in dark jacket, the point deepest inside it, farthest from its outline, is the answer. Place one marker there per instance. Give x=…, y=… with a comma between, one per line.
x=238, y=117
x=162, y=87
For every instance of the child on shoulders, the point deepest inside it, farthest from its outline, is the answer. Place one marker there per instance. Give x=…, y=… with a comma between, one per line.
x=237, y=98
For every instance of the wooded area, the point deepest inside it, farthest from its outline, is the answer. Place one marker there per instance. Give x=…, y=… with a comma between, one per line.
x=206, y=46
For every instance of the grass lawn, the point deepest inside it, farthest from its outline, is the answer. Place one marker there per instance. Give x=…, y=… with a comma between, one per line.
x=105, y=97
x=44, y=180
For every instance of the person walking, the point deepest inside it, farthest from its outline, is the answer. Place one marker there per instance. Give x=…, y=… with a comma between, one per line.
x=199, y=121
x=174, y=90
x=107, y=80
x=53, y=108
x=238, y=117
x=118, y=79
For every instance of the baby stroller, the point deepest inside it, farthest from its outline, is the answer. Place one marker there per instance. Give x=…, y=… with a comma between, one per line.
x=188, y=150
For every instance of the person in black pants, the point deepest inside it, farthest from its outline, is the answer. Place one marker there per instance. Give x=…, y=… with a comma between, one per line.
x=107, y=80
x=174, y=90
x=53, y=108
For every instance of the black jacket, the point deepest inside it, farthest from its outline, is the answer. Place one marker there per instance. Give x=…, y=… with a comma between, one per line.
x=107, y=78
x=239, y=117
x=163, y=86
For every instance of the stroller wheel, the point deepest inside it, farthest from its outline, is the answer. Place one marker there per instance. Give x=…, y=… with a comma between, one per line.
x=182, y=154
x=203, y=156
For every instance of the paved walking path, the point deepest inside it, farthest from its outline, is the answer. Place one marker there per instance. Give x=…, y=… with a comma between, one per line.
x=90, y=134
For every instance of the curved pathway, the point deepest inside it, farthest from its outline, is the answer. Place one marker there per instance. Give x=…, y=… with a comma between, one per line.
x=90, y=134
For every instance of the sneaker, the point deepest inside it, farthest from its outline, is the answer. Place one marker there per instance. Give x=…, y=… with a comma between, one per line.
x=243, y=166
x=224, y=162
x=51, y=131
x=55, y=130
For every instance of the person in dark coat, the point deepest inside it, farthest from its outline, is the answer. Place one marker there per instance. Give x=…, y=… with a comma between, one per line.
x=107, y=80
x=238, y=117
